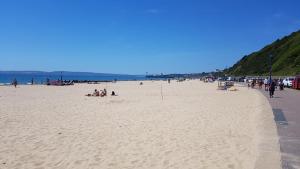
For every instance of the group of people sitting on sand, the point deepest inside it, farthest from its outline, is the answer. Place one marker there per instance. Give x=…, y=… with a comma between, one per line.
x=101, y=93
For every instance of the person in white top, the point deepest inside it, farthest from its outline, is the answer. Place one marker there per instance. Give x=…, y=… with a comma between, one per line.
x=266, y=84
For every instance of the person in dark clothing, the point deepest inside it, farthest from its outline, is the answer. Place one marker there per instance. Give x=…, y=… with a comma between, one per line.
x=15, y=82
x=281, y=86
x=260, y=83
x=272, y=89
x=252, y=84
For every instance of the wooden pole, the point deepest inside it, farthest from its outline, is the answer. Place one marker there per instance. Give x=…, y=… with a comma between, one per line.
x=161, y=92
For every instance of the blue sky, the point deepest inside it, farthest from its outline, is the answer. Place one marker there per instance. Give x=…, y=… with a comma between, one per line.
x=138, y=36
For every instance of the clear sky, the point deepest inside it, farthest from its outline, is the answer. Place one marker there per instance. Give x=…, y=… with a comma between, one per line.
x=139, y=36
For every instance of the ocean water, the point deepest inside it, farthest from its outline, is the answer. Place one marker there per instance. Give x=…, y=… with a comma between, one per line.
x=41, y=78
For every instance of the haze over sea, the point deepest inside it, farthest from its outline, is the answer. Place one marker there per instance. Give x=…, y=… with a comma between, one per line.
x=41, y=77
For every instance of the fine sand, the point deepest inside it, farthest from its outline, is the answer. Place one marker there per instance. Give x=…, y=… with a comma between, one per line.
x=186, y=125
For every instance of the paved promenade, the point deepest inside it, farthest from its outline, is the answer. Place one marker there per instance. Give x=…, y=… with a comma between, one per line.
x=286, y=109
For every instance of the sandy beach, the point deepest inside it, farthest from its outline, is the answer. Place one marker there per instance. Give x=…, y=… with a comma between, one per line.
x=187, y=125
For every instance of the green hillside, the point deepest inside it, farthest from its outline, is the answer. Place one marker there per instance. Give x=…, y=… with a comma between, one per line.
x=285, y=59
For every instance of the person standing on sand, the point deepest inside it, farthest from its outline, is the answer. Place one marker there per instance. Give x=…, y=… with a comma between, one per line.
x=252, y=84
x=260, y=84
x=272, y=89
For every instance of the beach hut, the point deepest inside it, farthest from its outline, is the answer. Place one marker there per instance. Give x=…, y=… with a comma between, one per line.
x=296, y=82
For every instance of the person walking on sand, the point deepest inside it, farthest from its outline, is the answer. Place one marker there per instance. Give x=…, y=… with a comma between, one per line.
x=272, y=89
x=15, y=82
x=281, y=86
x=266, y=84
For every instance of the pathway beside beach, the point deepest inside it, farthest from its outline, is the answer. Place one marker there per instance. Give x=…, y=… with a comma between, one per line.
x=286, y=109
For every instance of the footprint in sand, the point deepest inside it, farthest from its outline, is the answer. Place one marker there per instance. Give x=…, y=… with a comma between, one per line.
x=135, y=161
x=231, y=166
x=168, y=152
x=166, y=162
x=39, y=163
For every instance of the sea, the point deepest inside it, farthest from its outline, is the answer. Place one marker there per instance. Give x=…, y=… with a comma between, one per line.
x=41, y=78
